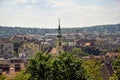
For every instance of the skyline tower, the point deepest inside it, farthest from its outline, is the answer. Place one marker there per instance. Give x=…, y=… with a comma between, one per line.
x=59, y=46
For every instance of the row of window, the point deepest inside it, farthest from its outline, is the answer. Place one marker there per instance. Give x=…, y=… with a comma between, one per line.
x=2, y=47
x=2, y=52
x=6, y=67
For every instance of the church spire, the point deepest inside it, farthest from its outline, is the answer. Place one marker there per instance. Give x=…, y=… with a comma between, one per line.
x=59, y=24
x=59, y=45
x=59, y=29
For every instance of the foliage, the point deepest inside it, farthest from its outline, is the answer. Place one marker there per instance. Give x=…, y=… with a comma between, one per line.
x=3, y=77
x=117, y=50
x=105, y=51
x=15, y=53
x=114, y=77
x=67, y=67
x=116, y=66
x=63, y=67
x=92, y=69
x=16, y=46
x=91, y=50
x=22, y=76
x=79, y=52
x=39, y=67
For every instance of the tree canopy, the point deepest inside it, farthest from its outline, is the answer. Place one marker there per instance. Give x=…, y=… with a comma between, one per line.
x=63, y=67
x=92, y=69
x=116, y=66
x=78, y=52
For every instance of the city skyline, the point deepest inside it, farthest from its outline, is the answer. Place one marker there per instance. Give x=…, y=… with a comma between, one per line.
x=45, y=13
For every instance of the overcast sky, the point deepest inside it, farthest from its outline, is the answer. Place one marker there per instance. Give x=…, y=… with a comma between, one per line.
x=45, y=13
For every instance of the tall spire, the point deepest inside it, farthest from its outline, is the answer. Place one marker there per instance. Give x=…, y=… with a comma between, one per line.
x=59, y=24
x=59, y=45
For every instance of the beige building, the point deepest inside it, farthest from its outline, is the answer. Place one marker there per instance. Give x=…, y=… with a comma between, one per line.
x=10, y=67
x=6, y=49
x=29, y=49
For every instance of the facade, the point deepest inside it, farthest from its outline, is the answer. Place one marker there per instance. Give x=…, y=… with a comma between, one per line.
x=10, y=67
x=6, y=49
x=29, y=49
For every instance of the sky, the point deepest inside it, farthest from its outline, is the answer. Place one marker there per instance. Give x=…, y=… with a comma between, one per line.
x=45, y=13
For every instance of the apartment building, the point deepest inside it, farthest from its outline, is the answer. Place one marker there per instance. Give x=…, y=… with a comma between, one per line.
x=6, y=49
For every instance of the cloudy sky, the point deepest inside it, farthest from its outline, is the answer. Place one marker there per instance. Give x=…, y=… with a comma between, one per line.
x=45, y=13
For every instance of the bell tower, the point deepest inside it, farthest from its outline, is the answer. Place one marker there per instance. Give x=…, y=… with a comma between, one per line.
x=59, y=46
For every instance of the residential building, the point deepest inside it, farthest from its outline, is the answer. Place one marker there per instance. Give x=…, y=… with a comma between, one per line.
x=29, y=49
x=6, y=49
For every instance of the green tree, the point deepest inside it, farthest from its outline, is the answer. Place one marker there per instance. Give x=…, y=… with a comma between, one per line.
x=3, y=77
x=91, y=50
x=79, y=52
x=22, y=76
x=105, y=51
x=114, y=77
x=67, y=67
x=92, y=69
x=117, y=50
x=116, y=66
x=38, y=67
x=17, y=45
x=63, y=67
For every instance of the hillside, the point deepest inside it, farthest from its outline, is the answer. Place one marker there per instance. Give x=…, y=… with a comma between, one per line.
x=109, y=29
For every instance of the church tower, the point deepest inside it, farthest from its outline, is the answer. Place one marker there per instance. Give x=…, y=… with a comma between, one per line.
x=59, y=46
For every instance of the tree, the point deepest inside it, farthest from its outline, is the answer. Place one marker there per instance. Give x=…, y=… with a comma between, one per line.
x=105, y=51
x=3, y=77
x=16, y=46
x=63, y=67
x=117, y=50
x=79, y=52
x=114, y=77
x=38, y=67
x=22, y=76
x=116, y=66
x=92, y=69
x=67, y=67
x=91, y=50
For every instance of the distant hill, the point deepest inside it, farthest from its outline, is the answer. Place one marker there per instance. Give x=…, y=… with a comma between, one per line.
x=100, y=29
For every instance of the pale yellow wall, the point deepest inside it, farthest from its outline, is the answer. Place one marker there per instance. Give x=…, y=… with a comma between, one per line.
x=34, y=47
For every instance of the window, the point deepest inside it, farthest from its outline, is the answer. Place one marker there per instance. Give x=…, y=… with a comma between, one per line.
x=17, y=65
x=2, y=52
x=59, y=43
x=10, y=52
x=59, y=51
x=1, y=46
x=10, y=47
x=6, y=49
x=26, y=46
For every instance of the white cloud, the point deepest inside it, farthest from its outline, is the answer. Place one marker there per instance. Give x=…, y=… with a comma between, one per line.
x=20, y=1
x=34, y=1
x=77, y=11
x=71, y=13
x=25, y=1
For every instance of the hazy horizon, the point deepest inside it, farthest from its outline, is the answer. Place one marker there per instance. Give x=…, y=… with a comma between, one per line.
x=40, y=27
x=45, y=13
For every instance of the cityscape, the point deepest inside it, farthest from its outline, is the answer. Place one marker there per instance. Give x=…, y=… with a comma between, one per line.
x=16, y=50
x=66, y=51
